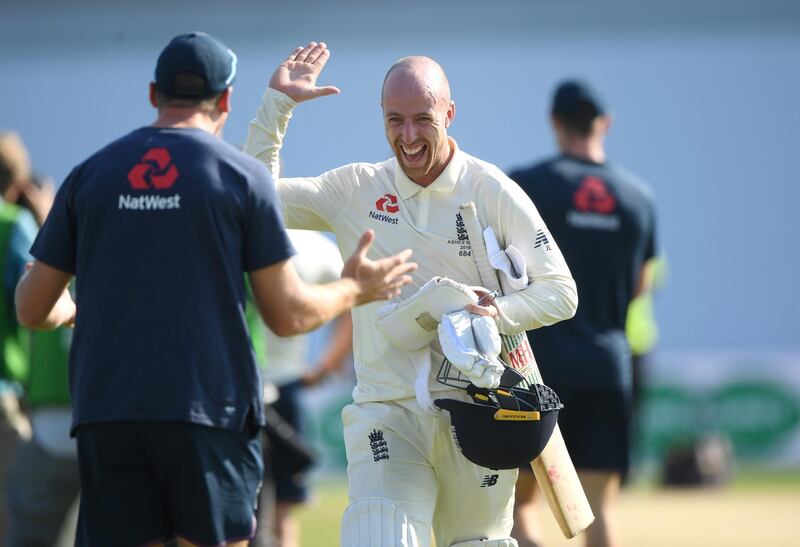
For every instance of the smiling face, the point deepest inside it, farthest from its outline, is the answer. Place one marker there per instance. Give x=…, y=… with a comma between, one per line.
x=417, y=111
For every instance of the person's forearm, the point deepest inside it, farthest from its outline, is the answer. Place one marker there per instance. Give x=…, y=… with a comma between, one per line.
x=266, y=131
x=39, y=316
x=315, y=305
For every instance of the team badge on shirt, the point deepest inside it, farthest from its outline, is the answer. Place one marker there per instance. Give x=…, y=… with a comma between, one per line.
x=462, y=239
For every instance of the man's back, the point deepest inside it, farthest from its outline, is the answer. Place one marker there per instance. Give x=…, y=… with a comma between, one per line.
x=162, y=224
x=602, y=218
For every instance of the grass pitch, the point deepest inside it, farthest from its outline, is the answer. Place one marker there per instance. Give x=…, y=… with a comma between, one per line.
x=760, y=509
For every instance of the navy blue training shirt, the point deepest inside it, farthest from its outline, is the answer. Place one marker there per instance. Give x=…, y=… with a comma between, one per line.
x=603, y=219
x=159, y=228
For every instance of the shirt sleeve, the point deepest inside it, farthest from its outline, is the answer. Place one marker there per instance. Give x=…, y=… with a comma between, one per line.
x=56, y=243
x=551, y=295
x=309, y=203
x=265, y=239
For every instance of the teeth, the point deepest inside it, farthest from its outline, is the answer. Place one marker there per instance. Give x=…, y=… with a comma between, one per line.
x=411, y=150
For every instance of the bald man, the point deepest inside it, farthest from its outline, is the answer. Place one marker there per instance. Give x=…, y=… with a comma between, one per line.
x=406, y=476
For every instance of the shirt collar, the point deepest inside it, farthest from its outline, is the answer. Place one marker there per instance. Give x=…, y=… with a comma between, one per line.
x=444, y=183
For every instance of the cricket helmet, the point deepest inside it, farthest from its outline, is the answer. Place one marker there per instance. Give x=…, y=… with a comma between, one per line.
x=503, y=428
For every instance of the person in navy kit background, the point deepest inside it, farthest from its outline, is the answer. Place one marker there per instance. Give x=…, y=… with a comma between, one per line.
x=603, y=219
x=159, y=229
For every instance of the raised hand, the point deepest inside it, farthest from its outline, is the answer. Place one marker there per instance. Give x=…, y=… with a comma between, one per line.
x=379, y=279
x=297, y=75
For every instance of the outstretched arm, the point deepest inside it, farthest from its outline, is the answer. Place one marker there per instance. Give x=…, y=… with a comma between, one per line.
x=294, y=81
x=289, y=307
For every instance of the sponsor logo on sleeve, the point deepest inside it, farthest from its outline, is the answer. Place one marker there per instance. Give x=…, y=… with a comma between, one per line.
x=594, y=206
x=155, y=171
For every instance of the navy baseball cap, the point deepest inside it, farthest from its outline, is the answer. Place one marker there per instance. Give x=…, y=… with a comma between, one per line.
x=199, y=54
x=572, y=95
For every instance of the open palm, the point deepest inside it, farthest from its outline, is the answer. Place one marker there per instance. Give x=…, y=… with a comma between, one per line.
x=297, y=75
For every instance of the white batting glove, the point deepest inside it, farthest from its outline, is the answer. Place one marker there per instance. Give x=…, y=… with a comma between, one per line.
x=471, y=343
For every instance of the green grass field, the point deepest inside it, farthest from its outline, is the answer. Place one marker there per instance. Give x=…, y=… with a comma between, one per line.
x=758, y=509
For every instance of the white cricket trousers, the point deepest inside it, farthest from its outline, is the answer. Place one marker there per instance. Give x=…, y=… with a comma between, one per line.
x=396, y=450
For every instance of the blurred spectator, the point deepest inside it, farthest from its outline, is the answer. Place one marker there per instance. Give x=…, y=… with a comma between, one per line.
x=317, y=261
x=641, y=328
x=43, y=479
x=17, y=230
x=603, y=219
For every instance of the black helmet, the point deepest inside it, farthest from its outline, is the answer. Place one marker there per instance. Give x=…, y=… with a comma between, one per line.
x=503, y=428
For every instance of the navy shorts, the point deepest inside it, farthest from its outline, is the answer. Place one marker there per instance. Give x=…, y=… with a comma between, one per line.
x=147, y=482
x=289, y=487
x=596, y=425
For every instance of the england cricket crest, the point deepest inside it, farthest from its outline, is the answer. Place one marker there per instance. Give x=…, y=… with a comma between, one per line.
x=461, y=239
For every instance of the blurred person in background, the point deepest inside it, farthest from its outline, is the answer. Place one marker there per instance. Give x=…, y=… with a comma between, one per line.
x=641, y=330
x=23, y=204
x=603, y=219
x=43, y=479
x=285, y=481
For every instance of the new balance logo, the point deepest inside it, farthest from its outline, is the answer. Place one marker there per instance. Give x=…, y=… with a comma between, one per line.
x=380, y=450
x=489, y=480
x=541, y=239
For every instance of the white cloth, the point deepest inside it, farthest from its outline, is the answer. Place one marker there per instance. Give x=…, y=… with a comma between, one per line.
x=410, y=324
x=472, y=344
x=317, y=261
x=354, y=197
x=509, y=263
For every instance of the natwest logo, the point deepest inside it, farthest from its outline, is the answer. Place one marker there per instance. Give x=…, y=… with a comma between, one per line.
x=387, y=203
x=155, y=170
x=593, y=196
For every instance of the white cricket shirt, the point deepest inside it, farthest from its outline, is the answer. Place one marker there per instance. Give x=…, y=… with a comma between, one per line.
x=352, y=198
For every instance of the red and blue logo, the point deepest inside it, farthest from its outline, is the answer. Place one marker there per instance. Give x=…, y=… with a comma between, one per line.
x=155, y=170
x=387, y=203
x=593, y=196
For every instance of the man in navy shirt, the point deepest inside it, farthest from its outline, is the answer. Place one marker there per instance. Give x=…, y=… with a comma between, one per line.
x=159, y=229
x=603, y=220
